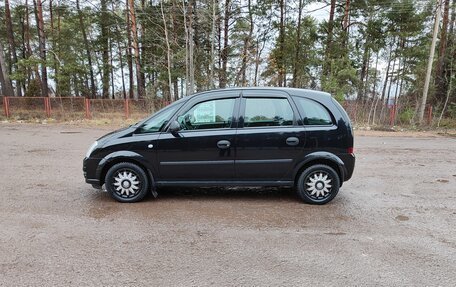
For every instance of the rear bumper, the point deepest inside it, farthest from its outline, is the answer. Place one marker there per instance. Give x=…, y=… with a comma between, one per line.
x=349, y=165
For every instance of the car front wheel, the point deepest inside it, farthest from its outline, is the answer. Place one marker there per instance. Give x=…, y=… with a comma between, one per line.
x=126, y=182
x=318, y=184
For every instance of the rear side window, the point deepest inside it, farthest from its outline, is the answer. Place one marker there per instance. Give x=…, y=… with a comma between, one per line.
x=267, y=112
x=313, y=113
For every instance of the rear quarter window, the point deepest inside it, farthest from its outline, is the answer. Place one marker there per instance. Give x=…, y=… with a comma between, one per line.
x=312, y=112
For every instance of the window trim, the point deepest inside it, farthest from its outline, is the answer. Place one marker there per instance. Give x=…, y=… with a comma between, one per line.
x=219, y=95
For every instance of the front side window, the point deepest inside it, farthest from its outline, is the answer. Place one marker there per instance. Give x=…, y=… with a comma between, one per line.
x=267, y=112
x=314, y=114
x=156, y=122
x=215, y=114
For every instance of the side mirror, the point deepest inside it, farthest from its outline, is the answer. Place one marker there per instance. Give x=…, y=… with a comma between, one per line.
x=174, y=128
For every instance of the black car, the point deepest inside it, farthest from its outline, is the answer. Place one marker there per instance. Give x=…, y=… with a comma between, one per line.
x=230, y=137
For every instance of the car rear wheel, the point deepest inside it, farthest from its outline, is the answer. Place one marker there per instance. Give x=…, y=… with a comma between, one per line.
x=318, y=184
x=126, y=182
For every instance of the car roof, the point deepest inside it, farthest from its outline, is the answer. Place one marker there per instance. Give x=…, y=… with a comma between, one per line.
x=291, y=91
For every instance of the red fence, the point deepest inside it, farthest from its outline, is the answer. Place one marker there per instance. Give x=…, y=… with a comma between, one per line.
x=370, y=112
x=72, y=108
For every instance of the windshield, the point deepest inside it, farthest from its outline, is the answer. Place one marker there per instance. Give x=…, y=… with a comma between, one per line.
x=159, y=119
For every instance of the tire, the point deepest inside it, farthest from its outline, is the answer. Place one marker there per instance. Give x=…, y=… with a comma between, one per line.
x=127, y=182
x=318, y=184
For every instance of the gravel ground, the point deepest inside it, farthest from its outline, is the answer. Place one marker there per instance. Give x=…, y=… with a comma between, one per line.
x=393, y=224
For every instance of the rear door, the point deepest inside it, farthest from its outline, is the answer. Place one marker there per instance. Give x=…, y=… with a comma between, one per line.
x=204, y=148
x=269, y=140
x=321, y=128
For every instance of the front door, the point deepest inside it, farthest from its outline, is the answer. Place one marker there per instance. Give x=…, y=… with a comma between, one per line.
x=269, y=140
x=204, y=148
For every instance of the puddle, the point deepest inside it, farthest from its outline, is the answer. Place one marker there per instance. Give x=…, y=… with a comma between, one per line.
x=40, y=150
x=335, y=233
x=402, y=218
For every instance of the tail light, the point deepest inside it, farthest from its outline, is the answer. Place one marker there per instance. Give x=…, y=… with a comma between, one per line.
x=351, y=150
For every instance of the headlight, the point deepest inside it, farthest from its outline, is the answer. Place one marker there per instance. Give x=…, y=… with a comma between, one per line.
x=91, y=148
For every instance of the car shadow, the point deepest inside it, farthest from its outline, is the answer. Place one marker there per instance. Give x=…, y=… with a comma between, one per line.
x=226, y=193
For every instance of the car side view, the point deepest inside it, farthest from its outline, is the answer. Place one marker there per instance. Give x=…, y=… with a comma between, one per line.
x=230, y=137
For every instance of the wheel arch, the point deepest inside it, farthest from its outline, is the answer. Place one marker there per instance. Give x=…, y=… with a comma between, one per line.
x=325, y=158
x=124, y=156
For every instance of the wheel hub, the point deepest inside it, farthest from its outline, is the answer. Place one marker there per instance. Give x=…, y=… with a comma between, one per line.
x=126, y=184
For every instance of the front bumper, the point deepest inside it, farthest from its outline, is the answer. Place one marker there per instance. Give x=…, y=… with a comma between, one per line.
x=89, y=168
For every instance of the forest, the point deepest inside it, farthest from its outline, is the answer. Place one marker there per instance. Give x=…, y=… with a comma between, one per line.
x=373, y=54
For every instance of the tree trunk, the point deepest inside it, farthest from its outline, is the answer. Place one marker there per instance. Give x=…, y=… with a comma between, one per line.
x=111, y=60
x=366, y=77
x=124, y=92
x=401, y=72
x=104, y=22
x=257, y=63
x=449, y=65
x=224, y=52
x=212, y=62
x=374, y=95
x=390, y=84
x=54, y=44
x=168, y=52
x=191, y=44
x=399, y=64
x=241, y=78
x=187, y=46
x=134, y=35
x=440, y=82
x=129, y=55
x=142, y=47
x=427, y=79
x=346, y=24
x=297, y=60
x=281, y=59
x=329, y=40
x=23, y=21
x=119, y=51
x=196, y=28
x=175, y=43
x=7, y=88
x=346, y=15
x=385, y=84
x=27, y=41
x=59, y=26
x=87, y=48
x=448, y=94
x=12, y=43
x=42, y=45
x=364, y=68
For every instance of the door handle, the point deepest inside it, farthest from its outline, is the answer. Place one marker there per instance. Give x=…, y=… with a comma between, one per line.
x=223, y=144
x=292, y=141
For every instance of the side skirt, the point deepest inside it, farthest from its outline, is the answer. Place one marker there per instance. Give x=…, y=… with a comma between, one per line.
x=224, y=183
